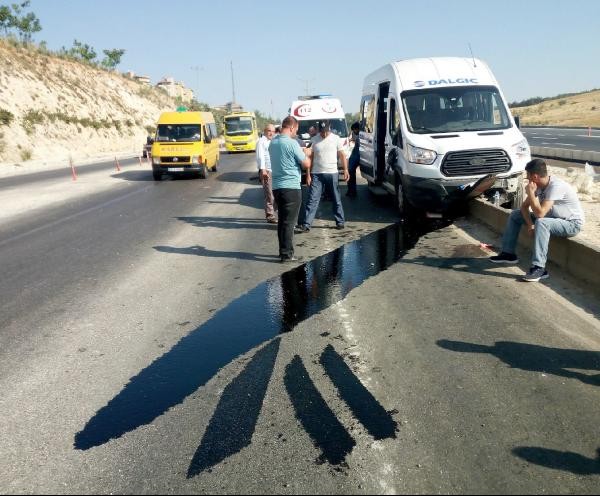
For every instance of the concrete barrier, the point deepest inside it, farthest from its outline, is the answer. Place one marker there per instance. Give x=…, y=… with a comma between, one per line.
x=567, y=154
x=576, y=257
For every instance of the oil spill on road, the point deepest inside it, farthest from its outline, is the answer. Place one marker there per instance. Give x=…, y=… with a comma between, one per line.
x=270, y=309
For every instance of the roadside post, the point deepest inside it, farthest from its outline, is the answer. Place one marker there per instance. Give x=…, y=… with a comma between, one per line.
x=117, y=165
x=73, y=171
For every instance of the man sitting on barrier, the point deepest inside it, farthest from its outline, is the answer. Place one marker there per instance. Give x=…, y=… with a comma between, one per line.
x=555, y=210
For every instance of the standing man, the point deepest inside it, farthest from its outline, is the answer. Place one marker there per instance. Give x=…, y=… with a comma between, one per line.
x=263, y=160
x=354, y=159
x=327, y=148
x=555, y=210
x=287, y=161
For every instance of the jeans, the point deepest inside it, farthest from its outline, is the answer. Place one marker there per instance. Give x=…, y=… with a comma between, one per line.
x=544, y=228
x=288, y=203
x=329, y=182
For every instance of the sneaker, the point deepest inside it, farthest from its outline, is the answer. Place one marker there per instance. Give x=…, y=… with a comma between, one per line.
x=301, y=229
x=339, y=227
x=503, y=257
x=290, y=259
x=535, y=274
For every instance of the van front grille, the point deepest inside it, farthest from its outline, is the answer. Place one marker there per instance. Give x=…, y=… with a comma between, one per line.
x=475, y=162
x=174, y=160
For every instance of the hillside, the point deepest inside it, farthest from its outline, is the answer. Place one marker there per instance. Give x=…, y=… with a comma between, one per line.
x=582, y=110
x=52, y=108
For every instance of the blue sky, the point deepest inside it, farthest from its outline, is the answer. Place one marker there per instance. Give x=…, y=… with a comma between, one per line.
x=535, y=48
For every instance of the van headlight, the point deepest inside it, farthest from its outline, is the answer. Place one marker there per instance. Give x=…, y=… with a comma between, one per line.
x=421, y=155
x=156, y=160
x=521, y=149
x=195, y=159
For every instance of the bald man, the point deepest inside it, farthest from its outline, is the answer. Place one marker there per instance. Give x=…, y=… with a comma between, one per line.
x=264, y=171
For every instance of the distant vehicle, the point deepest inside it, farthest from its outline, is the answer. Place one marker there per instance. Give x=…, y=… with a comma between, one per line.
x=432, y=129
x=147, y=149
x=185, y=142
x=311, y=110
x=241, y=132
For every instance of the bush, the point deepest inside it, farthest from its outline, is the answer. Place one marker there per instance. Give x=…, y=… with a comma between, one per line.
x=26, y=154
x=31, y=119
x=562, y=102
x=6, y=117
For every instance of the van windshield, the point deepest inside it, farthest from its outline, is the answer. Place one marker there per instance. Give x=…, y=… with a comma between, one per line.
x=452, y=109
x=178, y=132
x=238, y=126
x=337, y=126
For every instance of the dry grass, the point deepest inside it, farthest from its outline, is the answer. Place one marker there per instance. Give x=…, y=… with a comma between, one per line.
x=577, y=110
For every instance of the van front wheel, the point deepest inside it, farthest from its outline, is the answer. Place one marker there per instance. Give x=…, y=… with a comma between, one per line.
x=203, y=171
x=403, y=207
x=156, y=175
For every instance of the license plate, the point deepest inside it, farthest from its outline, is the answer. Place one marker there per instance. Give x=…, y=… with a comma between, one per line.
x=175, y=169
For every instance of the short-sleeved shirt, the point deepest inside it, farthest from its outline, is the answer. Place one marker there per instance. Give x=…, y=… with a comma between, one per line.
x=566, y=204
x=286, y=159
x=325, y=153
x=263, y=159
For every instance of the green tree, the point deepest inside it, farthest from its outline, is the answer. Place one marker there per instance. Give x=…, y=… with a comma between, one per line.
x=82, y=51
x=6, y=19
x=26, y=26
x=113, y=57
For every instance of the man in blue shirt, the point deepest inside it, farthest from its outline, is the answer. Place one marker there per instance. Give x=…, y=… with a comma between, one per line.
x=287, y=161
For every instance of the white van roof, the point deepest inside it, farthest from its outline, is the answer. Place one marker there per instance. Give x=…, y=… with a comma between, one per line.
x=319, y=108
x=434, y=72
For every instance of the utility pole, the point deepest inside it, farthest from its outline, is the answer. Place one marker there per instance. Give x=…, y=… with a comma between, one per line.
x=197, y=69
x=232, y=84
x=306, y=85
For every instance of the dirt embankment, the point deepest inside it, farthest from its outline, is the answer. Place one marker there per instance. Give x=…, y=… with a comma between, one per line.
x=581, y=110
x=53, y=108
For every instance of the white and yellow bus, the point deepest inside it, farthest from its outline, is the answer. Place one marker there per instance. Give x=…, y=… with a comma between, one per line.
x=241, y=132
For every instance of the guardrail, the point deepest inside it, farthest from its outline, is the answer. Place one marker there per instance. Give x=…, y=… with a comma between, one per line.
x=576, y=257
x=580, y=156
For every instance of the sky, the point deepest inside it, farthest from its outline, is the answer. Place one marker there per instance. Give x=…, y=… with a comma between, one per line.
x=279, y=49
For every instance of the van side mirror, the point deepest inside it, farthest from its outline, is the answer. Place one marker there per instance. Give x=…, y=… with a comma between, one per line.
x=518, y=121
x=207, y=139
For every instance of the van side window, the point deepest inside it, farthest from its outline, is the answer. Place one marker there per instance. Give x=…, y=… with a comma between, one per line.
x=367, y=120
x=213, y=129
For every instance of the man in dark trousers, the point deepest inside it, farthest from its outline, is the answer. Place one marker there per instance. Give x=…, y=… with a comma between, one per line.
x=287, y=161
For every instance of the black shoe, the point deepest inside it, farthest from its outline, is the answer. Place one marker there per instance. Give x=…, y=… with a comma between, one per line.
x=535, y=274
x=290, y=259
x=301, y=229
x=506, y=258
x=339, y=227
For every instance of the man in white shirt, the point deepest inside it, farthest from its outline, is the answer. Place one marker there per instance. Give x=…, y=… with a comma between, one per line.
x=263, y=161
x=327, y=148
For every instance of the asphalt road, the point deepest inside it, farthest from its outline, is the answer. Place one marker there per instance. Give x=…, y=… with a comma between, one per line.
x=151, y=342
x=575, y=139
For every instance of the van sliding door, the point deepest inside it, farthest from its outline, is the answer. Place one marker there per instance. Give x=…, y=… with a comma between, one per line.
x=381, y=130
x=366, y=136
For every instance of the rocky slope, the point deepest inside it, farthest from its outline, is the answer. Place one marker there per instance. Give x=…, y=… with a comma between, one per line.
x=53, y=108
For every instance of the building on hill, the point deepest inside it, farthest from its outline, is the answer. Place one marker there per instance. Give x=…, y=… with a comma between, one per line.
x=176, y=89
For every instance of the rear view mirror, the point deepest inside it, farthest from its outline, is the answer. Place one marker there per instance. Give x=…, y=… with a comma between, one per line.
x=305, y=136
x=207, y=139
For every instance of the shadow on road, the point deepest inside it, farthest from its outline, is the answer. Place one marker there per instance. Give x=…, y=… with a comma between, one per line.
x=201, y=251
x=535, y=358
x=566, y=461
